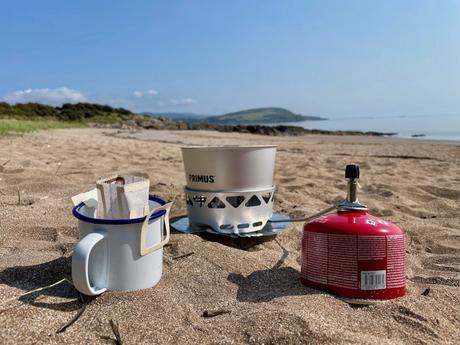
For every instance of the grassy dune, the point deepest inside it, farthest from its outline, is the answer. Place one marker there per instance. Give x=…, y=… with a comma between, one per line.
x=18, y=126
x=28, y=117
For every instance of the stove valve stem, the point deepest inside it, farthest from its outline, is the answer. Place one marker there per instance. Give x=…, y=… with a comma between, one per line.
x=351, y=203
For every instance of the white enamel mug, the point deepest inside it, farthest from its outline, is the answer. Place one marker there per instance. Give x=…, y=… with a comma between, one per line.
x=120, y=254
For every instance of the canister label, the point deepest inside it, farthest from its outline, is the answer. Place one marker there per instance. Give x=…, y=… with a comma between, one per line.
x=354, y=262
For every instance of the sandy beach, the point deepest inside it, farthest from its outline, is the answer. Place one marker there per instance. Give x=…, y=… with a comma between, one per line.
x=413, y=183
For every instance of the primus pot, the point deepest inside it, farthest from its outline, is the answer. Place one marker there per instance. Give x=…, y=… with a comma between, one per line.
x=229, y=168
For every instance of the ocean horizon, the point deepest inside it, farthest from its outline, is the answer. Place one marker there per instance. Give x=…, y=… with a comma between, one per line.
x=428, y=127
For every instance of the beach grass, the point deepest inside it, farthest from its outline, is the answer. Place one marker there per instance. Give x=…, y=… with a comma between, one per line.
x=19, y=126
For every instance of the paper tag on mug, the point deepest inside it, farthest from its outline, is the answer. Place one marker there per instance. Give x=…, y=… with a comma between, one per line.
x=88, y=198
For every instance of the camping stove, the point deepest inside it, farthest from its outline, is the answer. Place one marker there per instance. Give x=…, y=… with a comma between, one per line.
x=352, y=253
x=229, y=188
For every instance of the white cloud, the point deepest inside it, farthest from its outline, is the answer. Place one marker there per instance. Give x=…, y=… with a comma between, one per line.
x=55, y=96
x=140, y=94
x=182, y=101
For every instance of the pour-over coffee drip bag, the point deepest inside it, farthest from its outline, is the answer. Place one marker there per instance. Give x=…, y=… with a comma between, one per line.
x=118, y=197
x=122, y=197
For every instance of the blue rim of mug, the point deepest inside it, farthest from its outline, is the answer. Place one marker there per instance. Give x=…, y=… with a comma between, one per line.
x=77, y=214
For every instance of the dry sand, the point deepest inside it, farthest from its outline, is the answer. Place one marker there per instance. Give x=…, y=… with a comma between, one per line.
x=415, y=184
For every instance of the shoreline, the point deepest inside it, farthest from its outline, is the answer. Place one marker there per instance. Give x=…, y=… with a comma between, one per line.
x=278, y=130
x=160, y=123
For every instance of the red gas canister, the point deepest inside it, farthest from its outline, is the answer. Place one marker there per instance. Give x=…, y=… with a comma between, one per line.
x=352, y=253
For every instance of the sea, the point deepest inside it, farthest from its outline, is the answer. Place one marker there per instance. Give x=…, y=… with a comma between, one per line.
x=426, y=127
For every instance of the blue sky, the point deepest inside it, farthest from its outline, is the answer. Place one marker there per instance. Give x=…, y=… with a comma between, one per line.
x=326, y=58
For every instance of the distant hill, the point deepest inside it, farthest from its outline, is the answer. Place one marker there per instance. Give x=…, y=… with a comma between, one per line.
x=98, y=113
x=176, y=115
x=261, y=116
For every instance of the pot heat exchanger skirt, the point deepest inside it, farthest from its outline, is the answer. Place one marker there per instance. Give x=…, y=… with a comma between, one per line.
x=230, y=212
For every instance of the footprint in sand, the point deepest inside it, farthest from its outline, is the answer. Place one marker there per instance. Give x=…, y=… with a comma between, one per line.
x=448, y=193
x=11, y=171
x=287, y=179
x=415, y=212
x=294, y=188
x=378, y=189
x=60, y=239
x=383, y=212
x=444, y=245
x=50, y=234
x=447, y=263
x=416, y=321
x=437, y=280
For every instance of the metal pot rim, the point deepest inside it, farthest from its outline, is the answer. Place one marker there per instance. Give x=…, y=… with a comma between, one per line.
x=227, y=147
x=232, y=191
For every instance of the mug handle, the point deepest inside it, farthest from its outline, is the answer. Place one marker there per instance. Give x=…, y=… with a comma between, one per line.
x=146, y=250
x=80, y=263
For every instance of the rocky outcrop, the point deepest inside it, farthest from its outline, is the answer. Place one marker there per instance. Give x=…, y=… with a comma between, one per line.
x=161, y=123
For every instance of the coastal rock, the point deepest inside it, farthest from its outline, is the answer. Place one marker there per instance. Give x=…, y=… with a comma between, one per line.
x=162, y=123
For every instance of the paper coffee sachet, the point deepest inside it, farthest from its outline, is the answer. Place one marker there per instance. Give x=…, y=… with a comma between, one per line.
x=122, y=197
x=118, y=197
